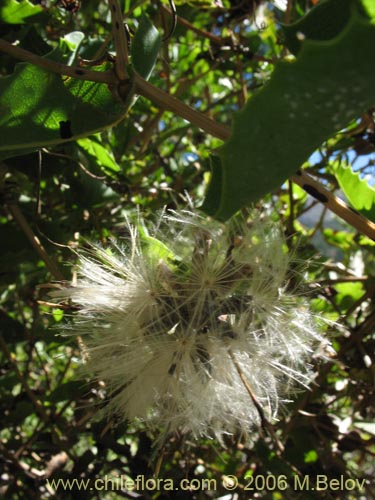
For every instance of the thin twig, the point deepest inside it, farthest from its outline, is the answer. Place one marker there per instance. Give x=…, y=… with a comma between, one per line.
x=169, y=102
x=319, y=224
x=335, y=204
x=288, y=12
x=34, y=240
x=108, y=77
x=39, y=408
x=291, y=229
x=266, y=425
x=171, y=30
x=202, y=33
x=79, y=163
x=344, y=279
x=26, y=468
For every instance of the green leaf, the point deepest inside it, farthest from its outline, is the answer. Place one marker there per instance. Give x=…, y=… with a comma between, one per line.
x=340, y=239
x=366, y=426
x=42, y=109
x=369, y=6
x=304, y=103
x=359, y=193
x=58, y=314
x=210, y=201
x=102, y=156
x=145, y=47
x=323, y=22
x=156, y=249
x=73, y=42
x=311, y=457
x=348, y=294
x=13, y=12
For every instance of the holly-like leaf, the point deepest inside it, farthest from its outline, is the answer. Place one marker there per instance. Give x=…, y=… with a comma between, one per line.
x=325, y=21
x=359, y=193
x=305, y=102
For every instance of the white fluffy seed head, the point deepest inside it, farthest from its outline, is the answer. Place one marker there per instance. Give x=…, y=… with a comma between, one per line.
x=170, y=319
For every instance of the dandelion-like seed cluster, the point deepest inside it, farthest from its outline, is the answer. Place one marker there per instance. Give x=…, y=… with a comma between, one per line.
x=187, y=318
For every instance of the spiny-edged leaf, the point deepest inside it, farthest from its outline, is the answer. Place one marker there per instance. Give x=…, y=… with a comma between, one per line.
x=325, y=21
x=14, y=12
x=304, y=103
x=215, y=185
x=359, y=193
x=39, y=109
x=145, y=47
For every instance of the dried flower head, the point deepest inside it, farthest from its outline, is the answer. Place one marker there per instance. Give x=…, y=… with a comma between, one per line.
x=190, y=326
